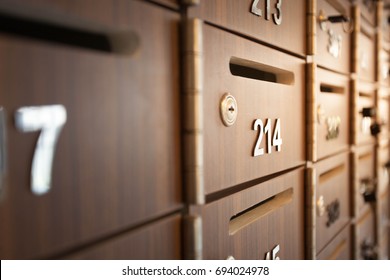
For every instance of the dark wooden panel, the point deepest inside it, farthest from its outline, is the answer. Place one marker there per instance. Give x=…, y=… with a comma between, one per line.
x=367, y=52
x=160, y=240
x=333, y=43
x=237, y=16
x=340, y=248
x=332, y=191
x=365, y=177
x=384, y=67
x=332, y=92
x=229, y=151
x=368, y=11
x=281, y=224
x=117, y=159
x=382, y=171
x=383, y=118
x=365, y=99
x=364, y=234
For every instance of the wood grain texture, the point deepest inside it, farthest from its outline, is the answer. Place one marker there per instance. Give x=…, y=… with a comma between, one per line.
x=364, y=231
x=334, y=188
x=367, y=52
x=283, y=226
x=365, y=99
x=117, y=159
x=368, y=11
x=382, y=173
x=235, y=15
x=228, y=151
x=340, y=248
x=365, y=171
x=160, y=240
x=311, y=27
x=324, y=58
x=333, y=104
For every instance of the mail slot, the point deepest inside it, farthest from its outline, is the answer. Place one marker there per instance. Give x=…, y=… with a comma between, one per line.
x=365, y=180
x=265, y=90
x=340, y=248
x=331, y=111
x=116, y=160
x=368, y=11
x=366, y=113
x=262, y=222
x=365, y=245
x=276, y=22
x=159, y=240
x=332, y=198
x=383, y=167
x=367, y=52
x=333, y=37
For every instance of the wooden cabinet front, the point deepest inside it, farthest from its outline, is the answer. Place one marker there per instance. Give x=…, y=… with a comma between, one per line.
x=332, y=198
x=332, y=113
x=276, y=22
x=340, y=248
x=333, y=39
x=159, y=240
x=365, y=180
x=366, y=113
x=268, y=87
x=365, y=244
x=116, y=162
x=263, y=221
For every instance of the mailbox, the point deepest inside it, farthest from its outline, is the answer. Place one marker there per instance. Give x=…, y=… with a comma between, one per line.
x=264, y=221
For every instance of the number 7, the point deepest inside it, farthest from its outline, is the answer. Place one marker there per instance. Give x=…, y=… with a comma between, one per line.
x=50, y=120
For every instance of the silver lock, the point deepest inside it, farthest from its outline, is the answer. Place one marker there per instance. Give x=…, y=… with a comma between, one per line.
x=228, y=109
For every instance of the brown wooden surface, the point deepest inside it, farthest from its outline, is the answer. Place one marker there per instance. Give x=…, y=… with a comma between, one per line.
x=366, y=99
x=382, y=172
x=229, y=150
x=283, y=226
x=160, y=240
x=384, y=116
x=333, y=105
x=117, y=158
x=324, y=58
x=384, y=67
x=368, y=11
x=364, y=231
x=367, y=52
x=340, y=248
x=365, y=171
x=333, y=184
x=235, y=15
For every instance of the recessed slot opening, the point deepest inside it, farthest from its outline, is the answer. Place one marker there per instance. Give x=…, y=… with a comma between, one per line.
x=327, y=88
x=365, y=94
x=256, y=212
x=331, y=173
x=365, y=156
x=258, y=71
x=124, y=43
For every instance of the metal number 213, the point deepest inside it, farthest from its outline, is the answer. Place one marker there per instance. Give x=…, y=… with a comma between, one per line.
x=277, y=17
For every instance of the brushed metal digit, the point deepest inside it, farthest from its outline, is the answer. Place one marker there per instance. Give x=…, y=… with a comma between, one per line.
x=49, y=120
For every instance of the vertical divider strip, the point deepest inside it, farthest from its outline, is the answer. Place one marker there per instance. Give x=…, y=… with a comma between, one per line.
x=193, y=111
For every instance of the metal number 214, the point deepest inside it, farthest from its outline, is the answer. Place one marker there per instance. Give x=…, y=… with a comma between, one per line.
x=276, y=140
